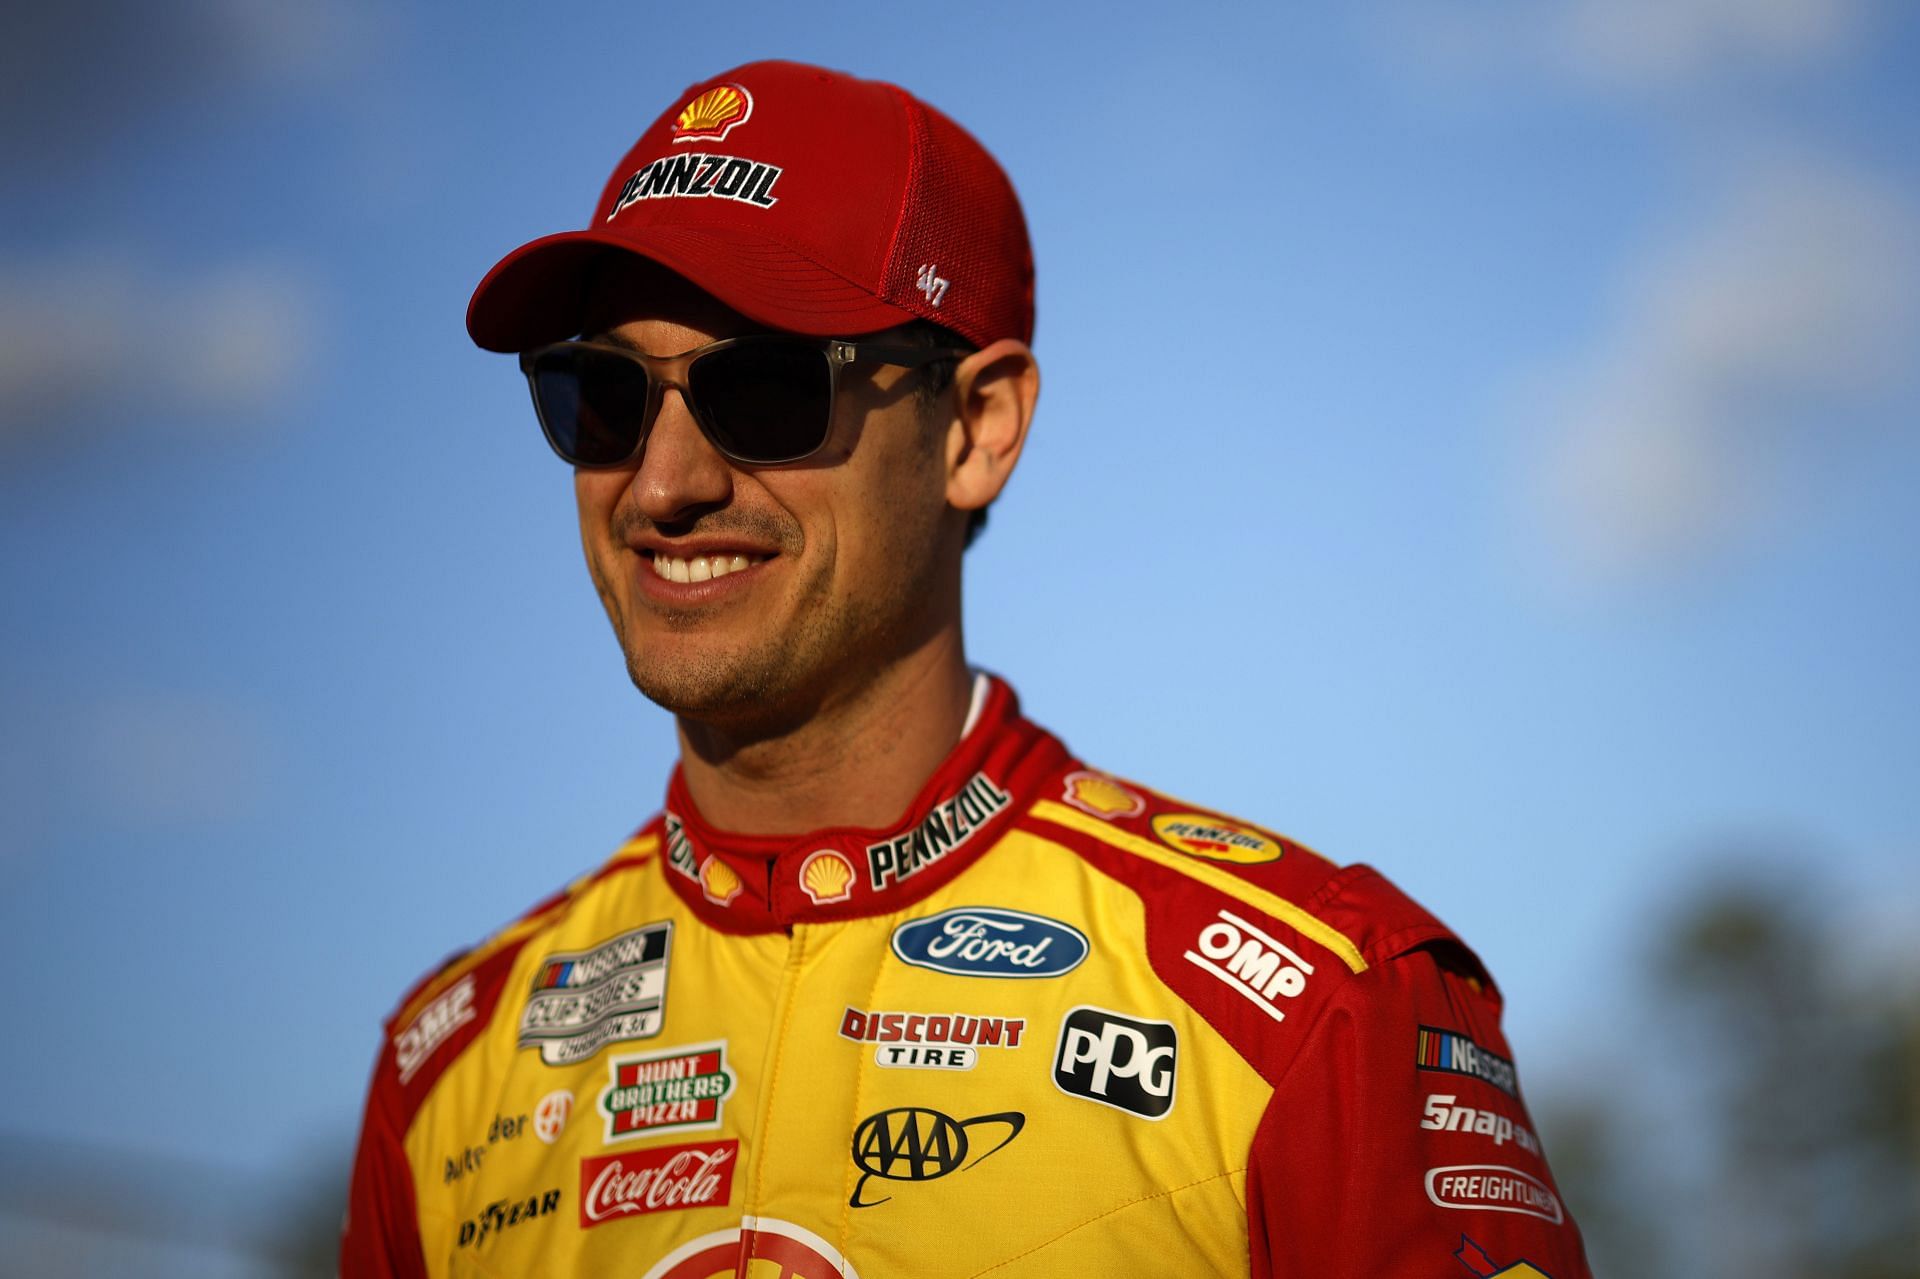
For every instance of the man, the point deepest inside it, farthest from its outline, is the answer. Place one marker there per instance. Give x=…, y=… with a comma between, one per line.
x=895, y=985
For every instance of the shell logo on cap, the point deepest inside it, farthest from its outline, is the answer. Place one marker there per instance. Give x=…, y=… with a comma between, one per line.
x=1101, y=796
x=713, y=114
x=718, y=881
x=827, y=877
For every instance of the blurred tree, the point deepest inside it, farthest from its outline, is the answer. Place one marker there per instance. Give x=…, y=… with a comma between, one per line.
x=1787, y=1144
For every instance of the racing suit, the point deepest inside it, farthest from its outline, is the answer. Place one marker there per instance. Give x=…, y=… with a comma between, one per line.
x=1051, y=1023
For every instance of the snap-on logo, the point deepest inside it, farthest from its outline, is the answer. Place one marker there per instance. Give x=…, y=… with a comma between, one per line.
x=987, y=941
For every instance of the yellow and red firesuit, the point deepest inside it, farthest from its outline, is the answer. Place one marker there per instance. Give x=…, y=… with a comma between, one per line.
x=1050, y=1023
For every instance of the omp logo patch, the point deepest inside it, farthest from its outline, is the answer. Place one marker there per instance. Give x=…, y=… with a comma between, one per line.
x=1252, y=964
x=1475, y=1259
x=1493, y=1188
x=913, y=1143
x=695, y=175
x=433, y=1026
x=1117, y=1060
x=1198, y=835
x=1452, y=1053
x=585, y=1000
x=674, y=1090
x=950, y=824
x=713, y=114
x=1100, y=796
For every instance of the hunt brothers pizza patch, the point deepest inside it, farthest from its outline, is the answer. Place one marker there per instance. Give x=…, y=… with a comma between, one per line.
x=673, y=1090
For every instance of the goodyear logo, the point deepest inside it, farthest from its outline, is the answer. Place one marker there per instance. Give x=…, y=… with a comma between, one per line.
x=696, y=175
x=1199, y=835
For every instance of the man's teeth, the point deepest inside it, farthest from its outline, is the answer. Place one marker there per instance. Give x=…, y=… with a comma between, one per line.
x=703, y=568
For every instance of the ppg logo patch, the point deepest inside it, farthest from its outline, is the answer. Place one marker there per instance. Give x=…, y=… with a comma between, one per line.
x=1117, y=1060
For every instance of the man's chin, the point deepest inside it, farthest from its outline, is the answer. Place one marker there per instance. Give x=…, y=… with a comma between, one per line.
x=730, y=690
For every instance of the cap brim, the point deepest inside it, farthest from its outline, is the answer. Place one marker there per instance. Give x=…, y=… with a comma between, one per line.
x=537, y=294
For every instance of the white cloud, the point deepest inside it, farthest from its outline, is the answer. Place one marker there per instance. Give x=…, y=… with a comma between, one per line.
x=1779, y=329
x=99, y=338
x=1625, y=44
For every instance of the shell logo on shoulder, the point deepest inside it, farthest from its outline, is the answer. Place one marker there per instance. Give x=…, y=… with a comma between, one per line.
x=1101, y=796
x=827, y=876
x=713, y=114
x=719, y=883
x=1200, y=835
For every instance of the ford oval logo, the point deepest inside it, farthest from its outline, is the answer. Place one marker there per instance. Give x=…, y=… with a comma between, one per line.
x=986, y=941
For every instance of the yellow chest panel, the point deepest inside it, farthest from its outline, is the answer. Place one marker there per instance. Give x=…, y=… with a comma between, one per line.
x=971, y=1087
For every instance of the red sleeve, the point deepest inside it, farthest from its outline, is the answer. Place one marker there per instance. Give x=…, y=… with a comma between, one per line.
x=1396, y=1144
x=380, y=1238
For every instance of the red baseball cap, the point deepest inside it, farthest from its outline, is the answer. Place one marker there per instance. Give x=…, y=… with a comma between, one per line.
x=806, y=200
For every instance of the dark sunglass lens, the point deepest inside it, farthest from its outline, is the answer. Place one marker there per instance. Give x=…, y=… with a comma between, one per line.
x=592, y=404
x=765, y=401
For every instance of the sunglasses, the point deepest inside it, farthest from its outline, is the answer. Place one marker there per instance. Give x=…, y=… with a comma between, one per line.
x=759, y=400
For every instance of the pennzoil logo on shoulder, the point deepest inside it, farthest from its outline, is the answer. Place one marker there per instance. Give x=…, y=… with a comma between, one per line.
x=584, y=1000
x=948, y=826
x=672, y=1090
x=1200, y=835
x=713, y=114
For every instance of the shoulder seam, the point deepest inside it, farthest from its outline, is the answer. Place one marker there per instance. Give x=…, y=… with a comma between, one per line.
x=635, y=851
x=1279, y=907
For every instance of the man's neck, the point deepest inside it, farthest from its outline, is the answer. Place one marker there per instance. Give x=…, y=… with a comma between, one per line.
x=858, y=761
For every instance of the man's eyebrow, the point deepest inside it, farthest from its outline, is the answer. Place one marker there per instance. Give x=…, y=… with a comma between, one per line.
x=610, y=339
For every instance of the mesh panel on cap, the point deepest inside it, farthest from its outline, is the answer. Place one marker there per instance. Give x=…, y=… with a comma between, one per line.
x=962, y=218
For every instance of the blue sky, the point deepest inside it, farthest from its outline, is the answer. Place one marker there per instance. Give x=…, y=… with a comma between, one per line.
x=1477, y=439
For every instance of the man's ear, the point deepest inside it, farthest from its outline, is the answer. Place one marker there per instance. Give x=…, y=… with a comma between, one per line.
x=994, y=391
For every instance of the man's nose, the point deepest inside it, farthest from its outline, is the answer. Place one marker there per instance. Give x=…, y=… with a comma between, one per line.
x=681, y=473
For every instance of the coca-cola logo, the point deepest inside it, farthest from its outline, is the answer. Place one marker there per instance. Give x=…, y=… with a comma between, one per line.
x=659, y=1180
